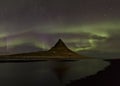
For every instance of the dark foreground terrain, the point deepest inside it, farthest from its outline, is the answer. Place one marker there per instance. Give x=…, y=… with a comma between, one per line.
x=109, y=77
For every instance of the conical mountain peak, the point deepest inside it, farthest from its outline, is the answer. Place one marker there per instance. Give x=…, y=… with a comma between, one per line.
x=60, y=45
x=60, y=49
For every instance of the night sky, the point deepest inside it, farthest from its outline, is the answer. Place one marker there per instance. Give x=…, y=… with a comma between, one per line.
x=92, y=25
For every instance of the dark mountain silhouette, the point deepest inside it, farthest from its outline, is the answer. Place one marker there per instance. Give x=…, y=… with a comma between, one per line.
x=59, y=46
x=59, y=51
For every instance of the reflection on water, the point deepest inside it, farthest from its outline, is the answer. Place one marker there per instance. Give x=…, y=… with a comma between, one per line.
x=44, y=74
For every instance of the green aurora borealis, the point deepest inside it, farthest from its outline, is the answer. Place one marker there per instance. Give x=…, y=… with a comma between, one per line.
x=84, y=25
x=77, y=37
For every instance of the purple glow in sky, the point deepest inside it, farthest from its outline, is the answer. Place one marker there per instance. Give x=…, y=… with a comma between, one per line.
x=29, y=25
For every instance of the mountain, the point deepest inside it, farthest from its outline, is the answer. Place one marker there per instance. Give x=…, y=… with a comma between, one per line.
x=59, y=51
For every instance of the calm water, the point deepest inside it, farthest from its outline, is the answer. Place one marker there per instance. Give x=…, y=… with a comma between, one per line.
x=44, y=73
